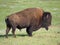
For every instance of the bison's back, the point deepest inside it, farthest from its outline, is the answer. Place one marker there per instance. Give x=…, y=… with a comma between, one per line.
x=31, y=11
x=32, y=14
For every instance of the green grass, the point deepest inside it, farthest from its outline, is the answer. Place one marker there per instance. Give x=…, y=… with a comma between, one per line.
x=40, y=37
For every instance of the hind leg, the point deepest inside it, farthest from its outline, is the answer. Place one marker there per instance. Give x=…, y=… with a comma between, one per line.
x=13, y=31
x=7, y=31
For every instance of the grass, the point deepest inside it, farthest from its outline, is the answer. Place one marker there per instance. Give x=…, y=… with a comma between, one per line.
x=40, y=37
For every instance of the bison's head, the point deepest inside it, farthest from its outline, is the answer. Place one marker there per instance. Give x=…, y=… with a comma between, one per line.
x=46, y=20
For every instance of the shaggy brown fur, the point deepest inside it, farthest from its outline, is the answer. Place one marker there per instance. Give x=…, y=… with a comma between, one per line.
x=31, y=18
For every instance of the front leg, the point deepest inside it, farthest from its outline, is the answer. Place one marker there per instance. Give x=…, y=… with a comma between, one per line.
x=7, y=31
x=29, y=31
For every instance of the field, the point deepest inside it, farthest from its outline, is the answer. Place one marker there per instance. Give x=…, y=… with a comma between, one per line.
x=40, y=37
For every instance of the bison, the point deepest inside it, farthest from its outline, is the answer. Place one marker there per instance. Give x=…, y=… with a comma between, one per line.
x=31, y=18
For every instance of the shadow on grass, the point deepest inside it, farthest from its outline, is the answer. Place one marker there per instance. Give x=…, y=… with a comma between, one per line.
x=9, y=35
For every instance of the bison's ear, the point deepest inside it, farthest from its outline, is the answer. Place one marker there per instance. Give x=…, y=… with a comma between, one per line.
x=46, y=14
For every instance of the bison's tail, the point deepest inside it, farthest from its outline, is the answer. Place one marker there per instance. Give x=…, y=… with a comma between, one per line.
x=7, y=22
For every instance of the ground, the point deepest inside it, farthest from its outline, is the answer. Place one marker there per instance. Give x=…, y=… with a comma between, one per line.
x=40, y=37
